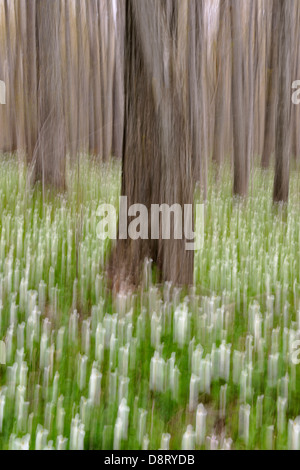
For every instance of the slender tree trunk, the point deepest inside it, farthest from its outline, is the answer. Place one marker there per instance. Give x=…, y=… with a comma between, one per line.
x=296, y=76
x=251, y=88
x=81, y=98
x=70, y=89
x=220, y=118
x=238, y=109
x=11, y=61
x=283, y=121
x=95, y=83
x=19, y=105
x=118, y=103
x=272, y=86
x=108, y=84
x=194, y=90
x=204, y=103
x=30, y=83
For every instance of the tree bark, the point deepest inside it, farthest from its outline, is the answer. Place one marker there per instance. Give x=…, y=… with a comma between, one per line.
x=220, y=111
x=241, y=175
x=156, y=162
x=283, y=121
x=272, y=85
x=51, y=145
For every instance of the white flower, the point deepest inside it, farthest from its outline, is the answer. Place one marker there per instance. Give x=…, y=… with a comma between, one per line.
x=21, y=444
x=95, y=387
x=118, y=432
x=61, y=443
x=244, y=422
x=201, y=416
x=123, y=414
x=189, y=439
x=165, y=442
x=157, y=373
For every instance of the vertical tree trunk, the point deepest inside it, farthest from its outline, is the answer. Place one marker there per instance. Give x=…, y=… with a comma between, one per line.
x=11, y=61
x=51, y=146
x=81, y=98
x=95, y=105
x=108, y=83
x=283, y=121
x=204, y=103
x=30, y=88
x=296, y=76
x=20, y=117
x=238, y=109
x=222, y=53
x=195, y=67
x=118, y=101
x=251, y=87
x=70, y=90
x=156, y=159
x=272, y=86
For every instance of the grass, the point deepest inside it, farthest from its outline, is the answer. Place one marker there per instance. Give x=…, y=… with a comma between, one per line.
x=84, y=371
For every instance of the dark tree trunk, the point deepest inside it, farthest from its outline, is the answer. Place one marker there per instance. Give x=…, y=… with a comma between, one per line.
x=272, y=84
x=156, y=162
x=241, y=175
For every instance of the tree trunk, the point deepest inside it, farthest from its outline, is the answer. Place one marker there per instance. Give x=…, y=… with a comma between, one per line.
x=118, y=93
x=95, y=105
x=295, y=151
x=272, y=85
x=283, y=121
x=240, y=187
x=51, y=146
x=70, y=90
x=222, y=53
x=11, y=62
x=156, y=162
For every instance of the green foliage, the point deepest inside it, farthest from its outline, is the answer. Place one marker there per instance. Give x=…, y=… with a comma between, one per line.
x=64, y=334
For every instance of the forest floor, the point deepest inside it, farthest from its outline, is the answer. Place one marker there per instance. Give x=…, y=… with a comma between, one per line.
x=211, y=369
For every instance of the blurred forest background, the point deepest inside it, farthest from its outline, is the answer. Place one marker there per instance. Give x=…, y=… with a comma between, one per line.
x=63, y=65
